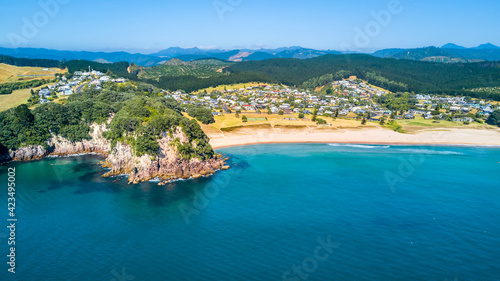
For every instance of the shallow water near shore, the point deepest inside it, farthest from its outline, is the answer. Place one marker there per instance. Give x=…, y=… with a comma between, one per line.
x=392, y=212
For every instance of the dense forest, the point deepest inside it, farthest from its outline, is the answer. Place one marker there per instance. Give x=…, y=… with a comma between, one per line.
x=141, y=116
x=192, y=83
x=452, y=52
x=175, y=67
x=394, y=75
x=31, y=62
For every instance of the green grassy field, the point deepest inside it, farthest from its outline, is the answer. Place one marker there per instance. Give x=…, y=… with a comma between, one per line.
x=229, y=122
x=17, y=97
x=10, y=73
x=256, y=119
x=420, y=123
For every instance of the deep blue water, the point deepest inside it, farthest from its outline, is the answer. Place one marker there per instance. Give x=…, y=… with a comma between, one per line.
x=318, y=212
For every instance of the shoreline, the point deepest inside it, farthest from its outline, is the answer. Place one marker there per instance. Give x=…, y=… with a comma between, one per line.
x=369, y=136
x=361, y=143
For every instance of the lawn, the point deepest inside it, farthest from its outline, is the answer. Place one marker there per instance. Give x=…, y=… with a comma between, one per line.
x=228, y=122
x=420, y=123
x=17, y=97
x=256, y=119
x=10, y=73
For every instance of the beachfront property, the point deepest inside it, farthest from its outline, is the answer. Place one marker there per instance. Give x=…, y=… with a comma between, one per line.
x=350, y=99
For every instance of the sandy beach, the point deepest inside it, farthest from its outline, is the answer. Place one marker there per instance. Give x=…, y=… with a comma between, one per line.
x=444, y=136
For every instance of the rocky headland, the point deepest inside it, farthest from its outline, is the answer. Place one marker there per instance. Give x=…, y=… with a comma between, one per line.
x=166, y=166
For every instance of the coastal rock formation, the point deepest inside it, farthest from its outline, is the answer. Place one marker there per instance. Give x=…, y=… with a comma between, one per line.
x=27, y=153
x=59, y=146
x=63, y=147
x=167, y=165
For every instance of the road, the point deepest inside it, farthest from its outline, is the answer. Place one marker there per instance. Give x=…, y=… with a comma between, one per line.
x=80, y=88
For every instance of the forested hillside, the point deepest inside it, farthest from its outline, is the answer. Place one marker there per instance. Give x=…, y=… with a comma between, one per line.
x=192, y=83
x=175, y=67
x=31, y=62
x=453, y=53
x=141, y=116
x=392, y=74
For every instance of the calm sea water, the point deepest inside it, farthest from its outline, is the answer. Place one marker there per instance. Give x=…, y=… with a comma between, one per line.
x=283, y=212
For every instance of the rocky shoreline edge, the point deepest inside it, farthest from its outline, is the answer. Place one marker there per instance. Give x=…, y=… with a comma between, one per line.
x=155, y=172
x=166, y=167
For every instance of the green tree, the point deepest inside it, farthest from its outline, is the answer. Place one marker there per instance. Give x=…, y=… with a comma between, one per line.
x=280, y=112
x=204, y=115
x=494, y=118
x=363, y=122
x=244, y=118
x=146, y=145
x=314, y=115
x=23, y=115
x=320, y=121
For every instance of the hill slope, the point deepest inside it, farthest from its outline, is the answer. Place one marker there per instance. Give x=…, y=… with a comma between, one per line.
x=35, y=53
x=448, y=53
x=407, y=75
x=176, y=67
x=10, y=73
x=30, y=62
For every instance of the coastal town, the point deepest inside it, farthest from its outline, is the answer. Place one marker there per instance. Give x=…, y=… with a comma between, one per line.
x=348, y=99
x=351, y=99
x=228, y=140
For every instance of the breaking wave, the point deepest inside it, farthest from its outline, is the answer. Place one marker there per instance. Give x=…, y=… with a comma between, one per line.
x=358, y=145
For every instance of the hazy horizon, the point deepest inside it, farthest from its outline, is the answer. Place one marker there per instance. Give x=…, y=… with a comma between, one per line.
x=237, y=24
x=152, y=51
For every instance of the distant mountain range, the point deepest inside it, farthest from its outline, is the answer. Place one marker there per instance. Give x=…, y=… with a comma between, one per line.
x=449, y=53
x=36, y=53
x=185, y=54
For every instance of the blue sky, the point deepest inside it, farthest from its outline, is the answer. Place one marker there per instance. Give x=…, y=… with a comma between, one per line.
x=152, y=25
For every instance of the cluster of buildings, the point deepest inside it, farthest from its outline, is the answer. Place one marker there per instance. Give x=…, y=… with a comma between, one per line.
x=457, y=105
x=348, y=99
x=67, y=86
x=351, y=97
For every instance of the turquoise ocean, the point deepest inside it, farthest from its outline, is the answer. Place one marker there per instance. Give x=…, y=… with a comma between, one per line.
x=282, y=212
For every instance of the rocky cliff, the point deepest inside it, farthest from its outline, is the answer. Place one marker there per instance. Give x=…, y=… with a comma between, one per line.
x=168, y=165
x=59, y=146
